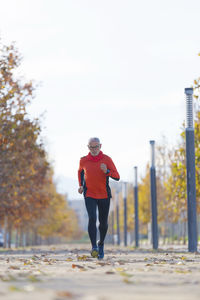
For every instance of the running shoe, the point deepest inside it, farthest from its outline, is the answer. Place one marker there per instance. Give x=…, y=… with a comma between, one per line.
x=101, y=250
x=94, y=252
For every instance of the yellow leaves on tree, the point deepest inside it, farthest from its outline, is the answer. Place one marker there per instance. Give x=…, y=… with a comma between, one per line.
x=25, y=175
x=144, y=198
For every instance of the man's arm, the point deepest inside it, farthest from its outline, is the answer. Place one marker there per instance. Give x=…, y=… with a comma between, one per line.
x=80, y=178
x=110, y=169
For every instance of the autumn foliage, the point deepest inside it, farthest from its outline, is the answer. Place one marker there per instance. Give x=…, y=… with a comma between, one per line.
x=29, y=202
x=171, y=185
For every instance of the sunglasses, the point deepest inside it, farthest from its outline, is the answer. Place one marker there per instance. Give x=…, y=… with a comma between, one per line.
x=95, y=147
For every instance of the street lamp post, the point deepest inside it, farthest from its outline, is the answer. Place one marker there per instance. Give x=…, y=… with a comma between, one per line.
x=124, y=193
x=190, y=165
x=112, y=221
x=136, y=208
x=153, y=197
x=117, y=216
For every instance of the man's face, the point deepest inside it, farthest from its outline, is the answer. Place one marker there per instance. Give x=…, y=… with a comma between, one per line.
x=94, y=148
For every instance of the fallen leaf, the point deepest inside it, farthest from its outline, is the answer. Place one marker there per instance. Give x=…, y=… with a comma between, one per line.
x=35, y=257
x=126, y=280
x=124, y=274
x=65, y=294
x=119, y=269
x=14, y=268
x=121, y=262
x=83, y=257
x=28, y=262
x=183, y=271
x=33, y=278
x=13, y=288
x=183, y=257
x=77, y=266
x=102, y=263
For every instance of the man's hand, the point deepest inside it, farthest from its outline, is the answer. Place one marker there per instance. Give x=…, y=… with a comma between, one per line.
x=103, y=168
x=80, y=190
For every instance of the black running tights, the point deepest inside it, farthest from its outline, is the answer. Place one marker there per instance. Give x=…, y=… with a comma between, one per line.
x=103, y=206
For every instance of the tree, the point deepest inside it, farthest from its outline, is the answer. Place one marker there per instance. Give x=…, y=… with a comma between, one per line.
x=27, y=191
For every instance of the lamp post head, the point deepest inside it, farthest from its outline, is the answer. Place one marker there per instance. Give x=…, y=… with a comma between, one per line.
x=189, y=108
x=152, y=143
x=188, y=91
x=135, y=176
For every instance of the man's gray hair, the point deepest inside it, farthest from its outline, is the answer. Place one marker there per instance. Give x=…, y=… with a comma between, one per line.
x=94, y=139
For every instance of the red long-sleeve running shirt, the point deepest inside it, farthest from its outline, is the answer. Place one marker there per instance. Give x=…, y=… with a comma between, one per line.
x=94, y=181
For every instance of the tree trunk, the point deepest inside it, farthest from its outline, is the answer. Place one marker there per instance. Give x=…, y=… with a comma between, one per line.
x=28, y=238
x=21, y=235
x=35, y=237
x=17, y=238
x=184, y=233
x=5, y=231
x=9, y=233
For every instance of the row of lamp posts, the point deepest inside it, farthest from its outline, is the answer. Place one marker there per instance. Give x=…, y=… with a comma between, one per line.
x=191, y=188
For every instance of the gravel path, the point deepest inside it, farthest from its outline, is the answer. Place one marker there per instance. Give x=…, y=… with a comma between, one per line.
x=68, y=272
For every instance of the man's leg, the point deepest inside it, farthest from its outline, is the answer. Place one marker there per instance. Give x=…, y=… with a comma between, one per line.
x=91, y=206
x=103, y=209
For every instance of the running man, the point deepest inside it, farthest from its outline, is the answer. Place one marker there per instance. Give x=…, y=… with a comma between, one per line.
x=93, y=175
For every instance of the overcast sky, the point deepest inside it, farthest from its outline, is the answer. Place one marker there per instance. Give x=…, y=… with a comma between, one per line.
x=112, y=69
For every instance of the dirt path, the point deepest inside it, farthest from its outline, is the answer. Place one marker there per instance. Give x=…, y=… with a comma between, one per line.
x=68, y=272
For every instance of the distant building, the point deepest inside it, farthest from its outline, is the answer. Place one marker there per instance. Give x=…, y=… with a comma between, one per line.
x=79, y=207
